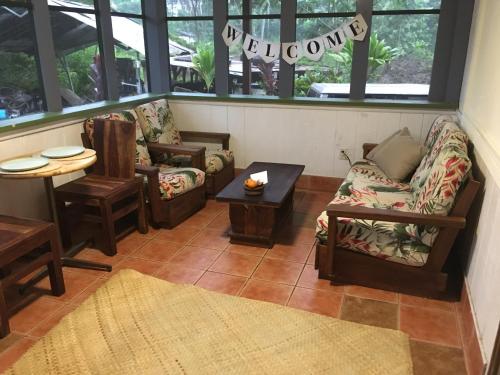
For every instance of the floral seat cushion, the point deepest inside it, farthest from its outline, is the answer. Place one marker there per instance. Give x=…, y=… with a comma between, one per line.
x=366, y=186
x=177, y=181
x=363, y=174
x=141, y=151
x=215, y=161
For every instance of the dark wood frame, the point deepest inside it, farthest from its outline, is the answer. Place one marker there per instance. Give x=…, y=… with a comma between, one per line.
x=42, y=233
x=215, y=181
x=255, y=219
x=436, y=279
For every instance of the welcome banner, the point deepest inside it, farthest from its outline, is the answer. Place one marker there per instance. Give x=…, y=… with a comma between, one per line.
x=313, y=49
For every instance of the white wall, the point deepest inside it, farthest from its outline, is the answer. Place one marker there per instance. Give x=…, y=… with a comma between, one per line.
x=480, y=115
x=307, y=135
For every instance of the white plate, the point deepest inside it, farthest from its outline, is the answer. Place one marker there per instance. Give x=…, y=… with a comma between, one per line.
x=62, y=152
x=24, y=164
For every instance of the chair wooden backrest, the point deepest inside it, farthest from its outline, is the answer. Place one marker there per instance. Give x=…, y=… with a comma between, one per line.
x=114, y=143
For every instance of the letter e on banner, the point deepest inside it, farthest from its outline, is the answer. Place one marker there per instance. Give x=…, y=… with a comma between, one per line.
x=334, y=40
x=291, y=52
x=357, y=28
x=231, y=35
x=268, y=51
x=313, y=48
x=251, y=46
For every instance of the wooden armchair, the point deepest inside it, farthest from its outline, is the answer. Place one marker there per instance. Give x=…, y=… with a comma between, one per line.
x=173, y=193
x=157, y=123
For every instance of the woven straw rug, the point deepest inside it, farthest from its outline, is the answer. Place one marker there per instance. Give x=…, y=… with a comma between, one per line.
x=137, y=324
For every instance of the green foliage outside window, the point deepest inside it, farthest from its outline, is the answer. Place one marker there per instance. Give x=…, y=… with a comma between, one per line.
x=204, y=64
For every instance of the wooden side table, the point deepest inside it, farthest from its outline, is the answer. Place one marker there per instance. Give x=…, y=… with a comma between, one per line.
x=58, y=167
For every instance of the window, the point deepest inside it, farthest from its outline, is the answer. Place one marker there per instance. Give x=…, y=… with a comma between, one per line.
x=191, y=45
x=126, y=6
x=402, y=43
x=331, y=75
x=20, y=90
x=400, y=48
x=130, y=50
x=80, y=73
x=262, y=20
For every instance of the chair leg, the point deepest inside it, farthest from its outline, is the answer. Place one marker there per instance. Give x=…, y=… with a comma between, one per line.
x=4, y=315
x=108, y=226
x=55, y=268
x=324, y=269
x=142, y=223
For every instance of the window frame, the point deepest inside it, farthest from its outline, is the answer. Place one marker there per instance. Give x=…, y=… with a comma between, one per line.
x=40, y=78
x=137, y=16
x=455, y=18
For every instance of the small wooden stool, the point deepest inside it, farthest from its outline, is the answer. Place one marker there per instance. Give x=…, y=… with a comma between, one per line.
x=18, y=238
x=105, y=200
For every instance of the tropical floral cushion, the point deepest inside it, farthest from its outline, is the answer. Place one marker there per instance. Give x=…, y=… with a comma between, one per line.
x=215, y=161
x=157, y=123
x=176, y=181
x=445, y=178
x=141, y=152
x=450, y=135
x=436, y=127
x=366, y=186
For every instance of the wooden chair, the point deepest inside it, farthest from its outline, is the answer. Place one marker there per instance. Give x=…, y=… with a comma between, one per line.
x=112, y=190
x=20, y=240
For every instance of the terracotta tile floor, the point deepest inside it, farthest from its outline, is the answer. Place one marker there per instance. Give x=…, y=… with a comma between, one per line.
x=198, y=252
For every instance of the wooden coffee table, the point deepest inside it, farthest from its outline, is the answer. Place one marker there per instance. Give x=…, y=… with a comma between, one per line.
x=255, y=219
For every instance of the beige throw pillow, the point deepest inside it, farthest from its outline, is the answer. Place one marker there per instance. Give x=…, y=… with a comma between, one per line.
x=382, y=144
x=399, y=155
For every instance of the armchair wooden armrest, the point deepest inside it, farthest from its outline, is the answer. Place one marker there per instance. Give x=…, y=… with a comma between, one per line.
x=197, y=153
x=146, y=170
x=367, y=147
x=163, y=148
x=196, y=136
x=357, y=212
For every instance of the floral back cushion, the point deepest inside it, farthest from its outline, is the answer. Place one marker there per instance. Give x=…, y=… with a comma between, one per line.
x=446, y=176
x=142, y=156
x=157, y=122
x=450, y=135
x=436, y=128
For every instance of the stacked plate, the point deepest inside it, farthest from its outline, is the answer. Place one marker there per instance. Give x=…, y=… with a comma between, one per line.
x=36, y=162
x=23, y=164
x=63, y=152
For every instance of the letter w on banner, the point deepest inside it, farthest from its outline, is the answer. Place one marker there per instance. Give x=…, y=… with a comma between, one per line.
x=231, y=35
